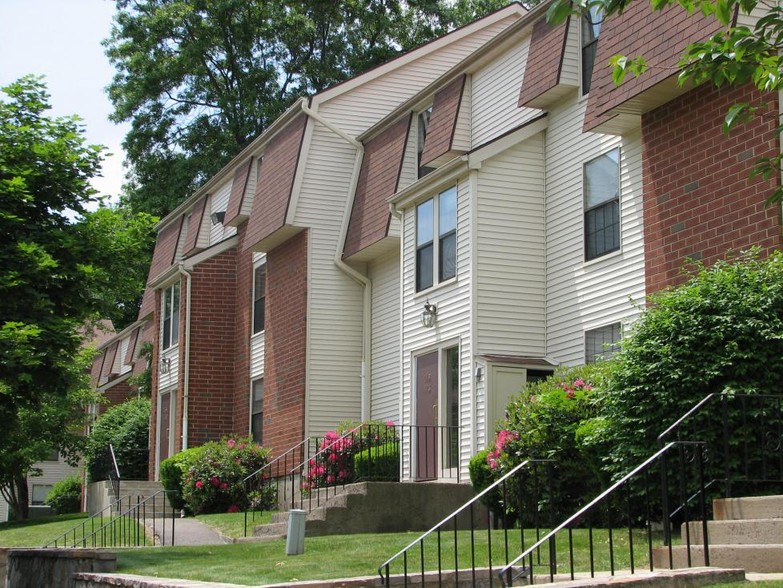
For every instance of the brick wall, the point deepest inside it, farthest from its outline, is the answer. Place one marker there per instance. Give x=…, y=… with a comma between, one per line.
x=698, y=199
x=285, y=346
x=212, y=349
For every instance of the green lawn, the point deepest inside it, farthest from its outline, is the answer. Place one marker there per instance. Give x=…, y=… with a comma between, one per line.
x=36, y=532
x=233, y=524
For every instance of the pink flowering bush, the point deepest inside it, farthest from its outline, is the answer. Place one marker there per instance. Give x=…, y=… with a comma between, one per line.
x=212, y=480
x=334, y=463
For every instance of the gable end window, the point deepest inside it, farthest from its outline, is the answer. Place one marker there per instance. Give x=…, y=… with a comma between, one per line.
x=601, y=343
x=170, y=326
x=602, y=204
x=591, y=28
x=436, y=258
x=259, y=298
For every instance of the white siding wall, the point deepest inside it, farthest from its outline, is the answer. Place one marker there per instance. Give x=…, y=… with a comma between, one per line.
x=169, y=378
x=51, y=473
x=122, y=351
x=570, y=68
x=495, y=90
x=385, y=276
x=511, y=269
x=218, y=202
x=581, y=295
x=257, y=356
x=359, y=109
x=453, y=323
x=334, y=299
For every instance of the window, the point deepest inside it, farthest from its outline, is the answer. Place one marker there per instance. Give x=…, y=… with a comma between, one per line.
x=602, y=204
x=423, y=126
x=171, y=316
x=601, y=343
x=40, y=491
x=257, y=410
x=436, y=257
x=53, y=456
x=259, y=298
x=591, y=27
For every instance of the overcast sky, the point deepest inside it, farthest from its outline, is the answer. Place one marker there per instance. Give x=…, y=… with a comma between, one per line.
x=61, y=39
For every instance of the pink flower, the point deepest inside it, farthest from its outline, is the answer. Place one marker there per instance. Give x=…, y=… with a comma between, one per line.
x=332, y=458
x=233, y=508
x=311, y=463
x=231, y=443
x=330, y=479
x=390, y=423
x=343, y=474
x=199, y=484
x=224, y=485
x=214, y=480
x=320, y=470
x=588, y=387
x=571, y=394
x=579, y=382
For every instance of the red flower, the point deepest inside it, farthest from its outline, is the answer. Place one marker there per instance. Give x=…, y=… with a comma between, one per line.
x=215, y=481
x=224, y=486
x=199, y=484
x=233, y=508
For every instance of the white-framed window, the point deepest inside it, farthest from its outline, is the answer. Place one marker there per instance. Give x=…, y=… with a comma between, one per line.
x=602, y=204
x=170, y=323
x=257, y=410
x=259, y=298
x=601, y=343
x=591, y=28
x=39, y=494
x=436, y=239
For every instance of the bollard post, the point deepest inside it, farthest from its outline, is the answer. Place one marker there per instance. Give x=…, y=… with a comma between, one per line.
x=294, y=543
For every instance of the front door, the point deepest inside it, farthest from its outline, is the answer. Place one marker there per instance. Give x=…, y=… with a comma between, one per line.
x=427, y=416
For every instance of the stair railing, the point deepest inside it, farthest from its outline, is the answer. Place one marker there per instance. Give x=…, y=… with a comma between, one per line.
x=504, y=504
x=624, y=513
x=128, y=528
x=114, y=473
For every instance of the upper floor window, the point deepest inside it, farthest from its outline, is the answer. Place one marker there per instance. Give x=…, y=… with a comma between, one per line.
x=423, y=127
x=259, y=298
x=601, y=343
x=602, y=204
x=170, y=316
x=436, y=239
x=591, y=27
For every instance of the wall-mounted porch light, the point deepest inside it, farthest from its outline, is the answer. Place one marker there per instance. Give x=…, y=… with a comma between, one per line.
x=165, y=365
x=428, y=315
x=218, y=216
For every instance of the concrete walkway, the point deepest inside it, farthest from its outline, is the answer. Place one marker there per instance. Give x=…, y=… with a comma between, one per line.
x=187, y=531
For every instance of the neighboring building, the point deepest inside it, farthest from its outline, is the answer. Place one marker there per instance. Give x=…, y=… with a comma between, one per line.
x=492, y=180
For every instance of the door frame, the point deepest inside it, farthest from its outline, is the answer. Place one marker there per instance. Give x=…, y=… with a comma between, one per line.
x=172, y=394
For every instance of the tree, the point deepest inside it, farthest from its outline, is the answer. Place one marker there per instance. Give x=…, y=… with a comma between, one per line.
x=52, y=281
x=199, y=79
x=742, y=52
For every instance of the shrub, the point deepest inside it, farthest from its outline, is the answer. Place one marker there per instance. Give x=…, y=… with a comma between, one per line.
x=126, y=428
x=66, y=495
x=172, y=470
x=213, y=481
x=381, y=462
x=722, y=330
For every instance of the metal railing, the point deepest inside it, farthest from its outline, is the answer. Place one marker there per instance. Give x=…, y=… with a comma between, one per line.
x=318, y=468
x=499, y=505
x=114, y=473
x=137, y=522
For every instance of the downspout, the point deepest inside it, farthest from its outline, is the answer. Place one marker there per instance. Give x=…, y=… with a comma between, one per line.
x=360, y=278
x=186, y=377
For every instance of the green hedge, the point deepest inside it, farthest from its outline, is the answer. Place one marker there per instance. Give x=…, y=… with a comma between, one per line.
x=172, y=470
x=66, y=495
x=380, y=463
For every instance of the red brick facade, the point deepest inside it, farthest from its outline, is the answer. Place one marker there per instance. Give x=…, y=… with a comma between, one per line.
x=286, y=344
x=698, y=199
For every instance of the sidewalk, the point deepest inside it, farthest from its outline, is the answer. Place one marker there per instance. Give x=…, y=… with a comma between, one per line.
x=187, y=531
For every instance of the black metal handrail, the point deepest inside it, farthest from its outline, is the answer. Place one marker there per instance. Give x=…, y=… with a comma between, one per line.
x=512, y=571
x=115, y=478
x=498, y=492
x=125, y=529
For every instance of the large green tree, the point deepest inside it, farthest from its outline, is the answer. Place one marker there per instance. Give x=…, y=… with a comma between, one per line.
x=57, y=276
x=747, y=49
x=199, y=79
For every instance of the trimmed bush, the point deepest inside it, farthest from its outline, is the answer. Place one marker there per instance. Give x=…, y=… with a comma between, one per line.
x=66, y=495
x=172, y=471
x=380, y=463
x=212, y=479
x=126, y=428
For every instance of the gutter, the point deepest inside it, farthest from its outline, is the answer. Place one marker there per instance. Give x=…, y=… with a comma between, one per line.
x=357, y=276
x=186, y=384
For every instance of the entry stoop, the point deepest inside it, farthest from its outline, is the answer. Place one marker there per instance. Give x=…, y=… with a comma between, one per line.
x=383, y=507
x=746, y=533
x=137, y=491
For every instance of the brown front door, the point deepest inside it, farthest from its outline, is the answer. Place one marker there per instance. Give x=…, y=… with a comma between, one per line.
x=427, y=416
x=165, y=427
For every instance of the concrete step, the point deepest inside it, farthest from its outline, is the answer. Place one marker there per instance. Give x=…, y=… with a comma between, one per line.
x=763, y=559
x=750, y=507
x=745, y=532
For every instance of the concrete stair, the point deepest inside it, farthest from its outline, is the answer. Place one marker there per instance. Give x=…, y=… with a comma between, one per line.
x=137, y=491
x=381, y=507
x=745, y=533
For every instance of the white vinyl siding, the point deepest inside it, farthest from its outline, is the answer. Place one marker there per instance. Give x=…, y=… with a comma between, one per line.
x=385, y=373
x=51, y=473
x=219, y=202
x=510, y=255
x=495, y=95
x=582, y=296
x=569, y=69
x=452, y=327
x=119, y=361
x=257, y=355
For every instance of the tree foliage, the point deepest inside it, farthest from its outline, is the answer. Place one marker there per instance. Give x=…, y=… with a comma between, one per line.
x=126, y=428
x=199, y=79
x=745, y=50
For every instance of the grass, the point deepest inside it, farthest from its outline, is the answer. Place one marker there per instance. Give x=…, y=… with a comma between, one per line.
x=36, y=532
x=233, y=524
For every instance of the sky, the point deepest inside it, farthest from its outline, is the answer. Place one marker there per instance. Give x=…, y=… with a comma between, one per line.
x=61, y=39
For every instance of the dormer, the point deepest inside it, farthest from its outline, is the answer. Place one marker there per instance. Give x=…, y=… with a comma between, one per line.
x=447, y=134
